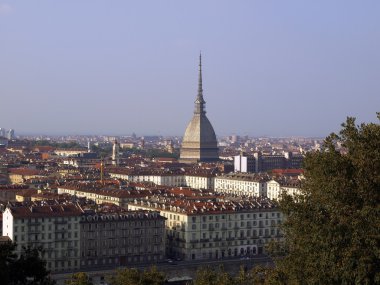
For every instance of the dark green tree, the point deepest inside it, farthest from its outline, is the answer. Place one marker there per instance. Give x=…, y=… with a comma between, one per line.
x=29, y=268
x=7, y=259
x=332, y=229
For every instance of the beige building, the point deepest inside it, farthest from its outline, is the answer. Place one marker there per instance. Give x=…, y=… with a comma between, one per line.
x=118, y=197
x=54, y=227
x=275, y=189
x=20, y=175
x=242, y=184
x=196, y=181
x=70, y=152
x=212, y=230
x=74, y=237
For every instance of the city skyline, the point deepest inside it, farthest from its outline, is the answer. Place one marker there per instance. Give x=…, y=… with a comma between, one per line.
x=269, y=69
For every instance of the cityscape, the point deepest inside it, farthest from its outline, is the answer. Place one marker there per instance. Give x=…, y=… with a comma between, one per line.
x=141, y=189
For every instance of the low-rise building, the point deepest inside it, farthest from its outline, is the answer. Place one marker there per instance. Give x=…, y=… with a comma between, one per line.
x=119, y=197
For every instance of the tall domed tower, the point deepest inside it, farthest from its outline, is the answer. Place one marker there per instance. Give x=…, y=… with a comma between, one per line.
x=199, y=142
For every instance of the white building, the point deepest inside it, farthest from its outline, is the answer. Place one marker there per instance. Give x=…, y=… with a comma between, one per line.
x=55, y=228
x=11, y=134
x=244, y=164
x=196, y=181
x=276, y=189
x=241, y=184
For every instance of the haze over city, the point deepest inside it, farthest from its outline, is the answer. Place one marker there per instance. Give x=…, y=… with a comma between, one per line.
x=274, y=68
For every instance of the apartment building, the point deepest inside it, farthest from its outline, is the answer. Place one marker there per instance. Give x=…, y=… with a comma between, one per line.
x=75, y=237
x=173, y=179
x=243, y=184
x=119, y=197
x=54, y=227
x=121, y=238
x=197, y=230
x=275, y=189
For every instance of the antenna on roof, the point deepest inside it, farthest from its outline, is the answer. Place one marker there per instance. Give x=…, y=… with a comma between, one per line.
x=101, y=171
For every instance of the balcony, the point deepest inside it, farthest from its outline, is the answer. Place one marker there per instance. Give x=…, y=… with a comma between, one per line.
x=230, y=238
x=193, y=241
x=204, y=239
x=217, y=239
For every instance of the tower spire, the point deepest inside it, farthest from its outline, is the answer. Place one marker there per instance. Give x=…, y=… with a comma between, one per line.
x=200, y=102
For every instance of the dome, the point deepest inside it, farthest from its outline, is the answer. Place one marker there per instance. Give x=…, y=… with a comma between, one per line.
x=200, y=132
x=199, y=142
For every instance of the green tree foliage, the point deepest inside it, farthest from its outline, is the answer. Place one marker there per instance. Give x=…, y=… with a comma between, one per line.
x=79, y=278
x=56, y=144
x=7, y=259
x=208, y=276
x=28, y=269
x=332, y=230
x=133, y=276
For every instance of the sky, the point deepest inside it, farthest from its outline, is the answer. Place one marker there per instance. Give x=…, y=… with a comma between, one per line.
x=270, y=68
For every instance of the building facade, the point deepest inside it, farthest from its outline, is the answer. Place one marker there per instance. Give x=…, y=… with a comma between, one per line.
x=75, y=238
x=215, y=230
x=54, y=227
x=121, y=238
x=243, y=184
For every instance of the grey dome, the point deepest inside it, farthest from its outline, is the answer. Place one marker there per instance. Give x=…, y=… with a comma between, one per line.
x=199, y=142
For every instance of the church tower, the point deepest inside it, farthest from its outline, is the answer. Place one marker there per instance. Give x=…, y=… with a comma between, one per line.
x=199, y=142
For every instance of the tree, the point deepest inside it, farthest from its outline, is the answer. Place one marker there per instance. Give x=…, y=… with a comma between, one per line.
x=7, y=258
x=125, y=276
x=209, y=276
x=332, y=229
x=132, y=276
x=152, y=277
x=28, y=268
x=79, y=278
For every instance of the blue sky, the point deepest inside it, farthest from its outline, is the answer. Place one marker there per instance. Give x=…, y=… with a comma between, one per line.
x=275, y=68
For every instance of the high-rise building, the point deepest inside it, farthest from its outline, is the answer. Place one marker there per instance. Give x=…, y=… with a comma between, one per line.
x=244, y=163
x=2, y=132
x=199, y=142
x=11, y=134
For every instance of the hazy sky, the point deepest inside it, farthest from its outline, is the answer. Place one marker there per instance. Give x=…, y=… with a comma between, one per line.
x=276, y=68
